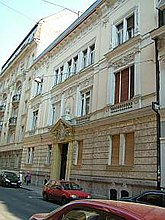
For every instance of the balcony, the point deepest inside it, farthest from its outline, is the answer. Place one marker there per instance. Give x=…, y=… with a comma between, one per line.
x=2, y=108
x=16, y=99
x=12, y=121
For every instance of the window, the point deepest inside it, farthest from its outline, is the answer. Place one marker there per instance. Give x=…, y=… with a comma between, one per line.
x=30, y=155
x=69, y=68
x=61, y=73
x=49, y=153
x=85, y=103
x=124, y=30
x=78, y=152
x=35, y=117
x=121, y=150
x=84, y=63
x=75, y=64
x=56, y=77
x=39, y=87
x=91, y=54
x=53, y=114
x=119, y=31
x=130, y=27
x=124, y=85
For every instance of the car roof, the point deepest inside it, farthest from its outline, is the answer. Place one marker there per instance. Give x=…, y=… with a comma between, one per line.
x=128, y=210
x=61, y=181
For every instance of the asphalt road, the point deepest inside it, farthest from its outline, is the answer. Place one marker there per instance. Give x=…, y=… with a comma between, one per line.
x=20, y=204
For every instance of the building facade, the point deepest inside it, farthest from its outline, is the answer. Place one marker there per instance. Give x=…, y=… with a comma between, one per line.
x=159, y=36
x=15, y=84
x=90, y=115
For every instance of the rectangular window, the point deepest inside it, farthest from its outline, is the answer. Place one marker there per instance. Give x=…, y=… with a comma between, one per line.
x=30, y=155
x=56, y=77
x=124, y=85
x=69, y=68
x=85, y=103
x=124, y=31
x=75, y=64
x=78, y=152
x=53, y=114
x=119, y=30
x=49, y=154
x=39, y=87
x=61, y=74
x=122, y=149
x=84, y=58
x=91, y=54
x=130, y=27
x=34, y=121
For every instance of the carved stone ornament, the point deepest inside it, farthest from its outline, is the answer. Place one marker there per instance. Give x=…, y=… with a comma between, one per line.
x=62, y=131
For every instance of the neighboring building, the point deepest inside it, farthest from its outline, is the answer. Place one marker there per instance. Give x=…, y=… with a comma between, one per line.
x=90, y=115
x=15, y=84
x=159, y=36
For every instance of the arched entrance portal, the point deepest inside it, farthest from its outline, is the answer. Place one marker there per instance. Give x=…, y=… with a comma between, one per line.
x=64, y=152
x=63, y=135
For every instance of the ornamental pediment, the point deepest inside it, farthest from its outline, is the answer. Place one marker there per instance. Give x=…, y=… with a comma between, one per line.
x=62, y=131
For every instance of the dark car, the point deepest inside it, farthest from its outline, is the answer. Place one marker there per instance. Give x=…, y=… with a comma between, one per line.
x=103, y=210
x=63, y=191
x=8, y=178
x=154, y=197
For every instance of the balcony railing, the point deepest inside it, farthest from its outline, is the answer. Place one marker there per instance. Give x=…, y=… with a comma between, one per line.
x=12, y=121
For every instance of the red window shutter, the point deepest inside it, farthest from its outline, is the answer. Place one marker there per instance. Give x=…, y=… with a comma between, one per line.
x=124, y=84
x=117, y=86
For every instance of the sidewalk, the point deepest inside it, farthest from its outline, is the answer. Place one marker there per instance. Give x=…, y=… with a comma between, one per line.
x=32, y=187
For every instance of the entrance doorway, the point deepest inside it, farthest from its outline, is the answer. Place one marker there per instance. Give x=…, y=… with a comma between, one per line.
x=64, y=152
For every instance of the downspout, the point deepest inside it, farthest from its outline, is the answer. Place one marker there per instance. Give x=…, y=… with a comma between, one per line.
x=155, y=107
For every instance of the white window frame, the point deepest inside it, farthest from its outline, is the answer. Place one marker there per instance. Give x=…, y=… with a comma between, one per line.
x=49, y=154
x=120, y=36
x=84, y=104
x=35, y=119
x=91, y=54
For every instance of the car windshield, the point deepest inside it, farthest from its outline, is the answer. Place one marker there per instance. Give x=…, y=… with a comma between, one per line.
x=10, y=175
x=70, y=186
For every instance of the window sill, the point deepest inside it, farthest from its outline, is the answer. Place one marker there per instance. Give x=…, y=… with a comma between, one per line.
x=119, y=167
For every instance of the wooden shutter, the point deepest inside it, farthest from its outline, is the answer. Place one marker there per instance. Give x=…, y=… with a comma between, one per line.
x=80, y=150
x=117, y=87
x=124, y=84
x=115, y=149
x=132, y=82
x=129, y=149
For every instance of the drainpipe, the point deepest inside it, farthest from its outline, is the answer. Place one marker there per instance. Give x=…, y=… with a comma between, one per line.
x=155, y=107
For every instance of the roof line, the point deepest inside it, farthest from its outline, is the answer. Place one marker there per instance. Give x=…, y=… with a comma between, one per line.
x=75, y=24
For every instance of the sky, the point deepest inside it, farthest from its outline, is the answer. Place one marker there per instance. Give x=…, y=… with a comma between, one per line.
x=17, y=18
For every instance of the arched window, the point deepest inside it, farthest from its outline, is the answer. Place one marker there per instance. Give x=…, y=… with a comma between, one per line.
x=124, y=193
x=113, y=194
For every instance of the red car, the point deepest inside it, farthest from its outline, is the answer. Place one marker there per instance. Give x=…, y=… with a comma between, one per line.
x=63, y=191
x=103, y=210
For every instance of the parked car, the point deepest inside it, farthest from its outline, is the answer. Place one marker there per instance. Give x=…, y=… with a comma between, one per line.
x=63, y=191
x=154, y=197
x=8, y=178
x=103, y=210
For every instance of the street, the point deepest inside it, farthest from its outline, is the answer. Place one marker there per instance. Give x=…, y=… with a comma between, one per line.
x=20, y=204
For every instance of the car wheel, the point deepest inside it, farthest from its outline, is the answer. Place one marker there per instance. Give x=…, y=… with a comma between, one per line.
x=45, y=197
x=63, y=200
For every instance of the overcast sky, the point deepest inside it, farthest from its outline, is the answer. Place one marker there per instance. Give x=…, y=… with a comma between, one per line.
x=17, y=17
